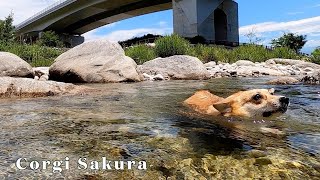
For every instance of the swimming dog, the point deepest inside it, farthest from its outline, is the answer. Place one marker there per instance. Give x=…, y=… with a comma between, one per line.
x=251, y=104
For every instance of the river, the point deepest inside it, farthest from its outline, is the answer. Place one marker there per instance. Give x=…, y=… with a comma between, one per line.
x=147, y=122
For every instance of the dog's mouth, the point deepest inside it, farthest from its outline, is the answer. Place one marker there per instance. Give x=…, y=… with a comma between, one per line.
x=281, y=110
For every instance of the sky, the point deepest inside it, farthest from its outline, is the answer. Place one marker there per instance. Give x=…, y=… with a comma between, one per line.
x=268, y=19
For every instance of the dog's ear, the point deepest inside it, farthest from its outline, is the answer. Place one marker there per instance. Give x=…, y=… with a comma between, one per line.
x=271, y=91
x=223, y=106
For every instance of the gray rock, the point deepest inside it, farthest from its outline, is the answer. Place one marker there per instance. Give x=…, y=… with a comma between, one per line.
x=313, y=78
x=176, y=67
x=94, y=62
x=40, y=71
x=157, y=77
x=297, y=63
x=244, y=63
x=44, y=77
x=270, y=62
x=283, y=81
x=13, y=66
x=250, y=71
x=25, y=87
x=210, y=64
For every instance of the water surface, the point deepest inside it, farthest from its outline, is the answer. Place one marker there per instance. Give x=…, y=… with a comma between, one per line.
x=146, y=121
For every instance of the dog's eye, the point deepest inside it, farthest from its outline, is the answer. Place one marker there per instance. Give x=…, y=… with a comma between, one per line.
x=257, y=97
x=272, y=93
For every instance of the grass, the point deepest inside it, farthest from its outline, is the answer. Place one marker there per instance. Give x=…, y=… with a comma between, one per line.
x=171, y=45
x=175, y=45
x=35, y=55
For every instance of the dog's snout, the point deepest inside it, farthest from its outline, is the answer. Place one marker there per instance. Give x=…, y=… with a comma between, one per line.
x=284, y=100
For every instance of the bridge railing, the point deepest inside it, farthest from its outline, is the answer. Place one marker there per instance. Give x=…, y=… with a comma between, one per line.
x=53, y=6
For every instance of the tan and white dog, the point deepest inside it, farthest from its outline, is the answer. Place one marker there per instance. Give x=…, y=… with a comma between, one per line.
x=252, y=103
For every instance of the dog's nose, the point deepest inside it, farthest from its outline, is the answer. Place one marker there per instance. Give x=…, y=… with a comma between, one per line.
x=284, y=100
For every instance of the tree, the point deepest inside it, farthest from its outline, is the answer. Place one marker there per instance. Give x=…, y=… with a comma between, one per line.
x=7, y=30
x=315, y=56
x=253, y=37
x=50, y=39
x=290, y=40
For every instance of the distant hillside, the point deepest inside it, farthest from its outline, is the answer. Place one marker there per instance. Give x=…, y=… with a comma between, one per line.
x=149, y=38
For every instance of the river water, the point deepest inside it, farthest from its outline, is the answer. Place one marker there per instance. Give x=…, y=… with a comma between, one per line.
x=147, y=122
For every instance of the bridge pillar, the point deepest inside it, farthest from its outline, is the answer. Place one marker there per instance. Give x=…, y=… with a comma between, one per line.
x=215, y=20
x=71, y=40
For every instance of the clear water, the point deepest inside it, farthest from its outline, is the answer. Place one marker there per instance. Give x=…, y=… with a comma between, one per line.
x=146, y=121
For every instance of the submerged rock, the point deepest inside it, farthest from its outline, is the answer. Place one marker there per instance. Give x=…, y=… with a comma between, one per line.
x=284, y=81
x=176, y=67
x=257, y=153
x=263, y=161
x=25, y=87
x=94, y=62
x=13, y=66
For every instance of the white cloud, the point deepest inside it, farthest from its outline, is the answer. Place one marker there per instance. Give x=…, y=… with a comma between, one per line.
x=163, y=24
x=312, y=43
x=23, y=9
x=122, y=35
x=304, y=26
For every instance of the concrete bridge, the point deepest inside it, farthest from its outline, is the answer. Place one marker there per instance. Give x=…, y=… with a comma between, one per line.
x=215, y=20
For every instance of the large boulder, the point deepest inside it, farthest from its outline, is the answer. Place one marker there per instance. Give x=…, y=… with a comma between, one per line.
x=94, y=62
x=13, y=66
x=176, y=67
x=26, y=87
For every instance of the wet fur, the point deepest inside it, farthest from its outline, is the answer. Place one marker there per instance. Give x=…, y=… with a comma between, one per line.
x=240, y=104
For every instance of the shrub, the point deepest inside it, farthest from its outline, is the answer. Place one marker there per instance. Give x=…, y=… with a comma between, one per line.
x=284, y=52
x=210, y=53
x=141, y=53
x=254, y=53
x=171, y=45
x=50, y=39
x=34, y=54
x=290, y=40
x=315, y=56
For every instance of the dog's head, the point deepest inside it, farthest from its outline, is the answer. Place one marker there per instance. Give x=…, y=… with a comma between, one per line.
x=253, y=103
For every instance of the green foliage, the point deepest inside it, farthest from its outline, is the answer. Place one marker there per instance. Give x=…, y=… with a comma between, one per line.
x=171, y=45
x=50, y=39
x=7, y=32
x=141, y=53
x=252, y=53
x=210, y=53
x=315, y=56
x=34, y=54
x=290, y=40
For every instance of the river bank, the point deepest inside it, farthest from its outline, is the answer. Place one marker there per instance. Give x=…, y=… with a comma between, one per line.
x=105, y=62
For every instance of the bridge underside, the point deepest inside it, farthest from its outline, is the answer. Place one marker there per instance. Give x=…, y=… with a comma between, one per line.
x=191, y=18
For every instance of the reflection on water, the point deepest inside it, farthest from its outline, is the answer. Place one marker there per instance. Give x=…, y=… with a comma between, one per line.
x=146, y=121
